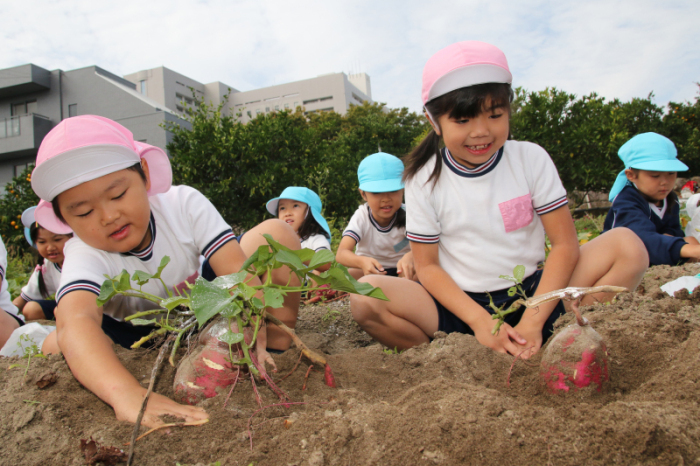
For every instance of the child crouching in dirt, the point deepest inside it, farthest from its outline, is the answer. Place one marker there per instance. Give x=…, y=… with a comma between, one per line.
x=643, y=199
x=115, y=195
x=478, y=207
x=374, y=242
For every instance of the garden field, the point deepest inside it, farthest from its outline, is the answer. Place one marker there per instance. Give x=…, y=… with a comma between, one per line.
x=443, y=403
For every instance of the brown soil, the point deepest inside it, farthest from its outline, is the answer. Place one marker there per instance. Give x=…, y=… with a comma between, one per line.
x=443, y=403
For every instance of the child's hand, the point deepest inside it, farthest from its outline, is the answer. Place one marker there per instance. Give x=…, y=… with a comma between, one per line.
x=128, y=405
x=507, y=340
x=406, y=267
x=265, y=358
x=532, y=332
x=370, y=265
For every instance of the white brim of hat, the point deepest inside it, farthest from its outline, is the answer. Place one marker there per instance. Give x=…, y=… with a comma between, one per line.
x=28, y=217
x=69, y=169
x=669, y=165
x=469, y=76
x=382, y=186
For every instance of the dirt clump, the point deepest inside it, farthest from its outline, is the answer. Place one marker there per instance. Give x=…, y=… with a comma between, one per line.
x=442, y=403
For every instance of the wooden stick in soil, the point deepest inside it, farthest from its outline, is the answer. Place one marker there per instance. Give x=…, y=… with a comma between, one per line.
x=135, y=433
x=313, y=356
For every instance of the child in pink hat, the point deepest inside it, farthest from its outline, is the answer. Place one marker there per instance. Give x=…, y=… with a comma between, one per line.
x=115, y=195
x=477, y=206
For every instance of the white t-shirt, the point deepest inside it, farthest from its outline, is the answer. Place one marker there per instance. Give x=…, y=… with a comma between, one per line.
x=5, y=298
x=385, y=244
x=483, y=218
x=184, y=225
x=51, y=273
x=316, y=242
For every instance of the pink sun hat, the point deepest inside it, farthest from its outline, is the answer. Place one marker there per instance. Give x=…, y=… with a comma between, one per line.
x=461, y=65
x=86, y=147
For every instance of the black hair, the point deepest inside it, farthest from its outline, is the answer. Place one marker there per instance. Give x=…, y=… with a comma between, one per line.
x=34, y=235
x=309, y=226
x=466, y=102
x=54, y=202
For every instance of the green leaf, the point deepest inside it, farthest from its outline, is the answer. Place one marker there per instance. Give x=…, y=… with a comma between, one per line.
x=142, y=322
x=274, y=298
x=322, y=257
x=257, y=303
x=163, y=262
x=290, y=259
x=247, y=291
x=251, y=260
x=208, y=300
x=232, y=311
x=107, y=292
x=519, y=273
x=175, y=301
x=512, y=290
x=141, y=277
x=340, y=279
x=123, y=281
x=231, y=338
x=509, y=278
x=229, y=281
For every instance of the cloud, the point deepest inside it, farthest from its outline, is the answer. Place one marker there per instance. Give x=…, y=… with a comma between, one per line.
x=619, y=49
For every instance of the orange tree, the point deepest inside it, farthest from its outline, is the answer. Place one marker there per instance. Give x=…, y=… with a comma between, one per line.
x=18, y=196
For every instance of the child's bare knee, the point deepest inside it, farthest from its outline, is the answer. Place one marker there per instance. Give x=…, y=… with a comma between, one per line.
x=32, y=311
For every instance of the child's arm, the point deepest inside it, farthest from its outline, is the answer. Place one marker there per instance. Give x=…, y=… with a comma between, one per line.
x=443, y=288
x=348, y=258
x=89, y=354
x=558, y=269
x=20, y=302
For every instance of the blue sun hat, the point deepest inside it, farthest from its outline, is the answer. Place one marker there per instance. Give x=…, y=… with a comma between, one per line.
x=305, y=195
x=380, y=173
x=28, y=220
x=647, y=151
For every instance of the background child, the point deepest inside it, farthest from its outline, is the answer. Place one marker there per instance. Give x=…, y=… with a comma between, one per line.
x=476, y=209
x=293, y=207
x=34, y=301
x=377, y=230
x=9, y=318
x=644, y=201
x=115, y=194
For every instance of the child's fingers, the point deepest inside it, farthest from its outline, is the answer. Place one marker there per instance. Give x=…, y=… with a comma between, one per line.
x=514, y=335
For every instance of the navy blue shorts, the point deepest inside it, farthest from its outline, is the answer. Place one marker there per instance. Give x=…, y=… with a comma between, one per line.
x=391, y=271
x=448, y=322
x=48, y=306
x=124, y=333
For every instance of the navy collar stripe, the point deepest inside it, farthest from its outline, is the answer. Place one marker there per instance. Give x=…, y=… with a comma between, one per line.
x=378, y=226
x=463, y=171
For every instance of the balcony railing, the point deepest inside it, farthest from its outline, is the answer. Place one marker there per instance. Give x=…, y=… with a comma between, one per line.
x=22, y=134
x=9, y=127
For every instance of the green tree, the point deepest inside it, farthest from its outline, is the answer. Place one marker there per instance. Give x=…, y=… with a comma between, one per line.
x=18, y=197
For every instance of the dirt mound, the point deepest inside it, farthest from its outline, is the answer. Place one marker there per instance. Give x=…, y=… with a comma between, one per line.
x=443, y=403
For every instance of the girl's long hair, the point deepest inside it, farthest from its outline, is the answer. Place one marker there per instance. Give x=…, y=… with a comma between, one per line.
x=309, y=226
x=467, y=102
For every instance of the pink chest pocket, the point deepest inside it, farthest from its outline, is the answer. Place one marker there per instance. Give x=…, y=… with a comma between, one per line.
x=517, y=213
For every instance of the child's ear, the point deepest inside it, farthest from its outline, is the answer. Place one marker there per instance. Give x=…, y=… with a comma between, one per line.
x=144, y=167
x=362, y=193
x=434, y=124
x=631, y=175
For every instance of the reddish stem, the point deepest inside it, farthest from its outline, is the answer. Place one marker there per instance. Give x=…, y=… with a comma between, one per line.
x=515, y=359
x=235, y=381
x=579, y=319
x=293, y=369
x=306, y=377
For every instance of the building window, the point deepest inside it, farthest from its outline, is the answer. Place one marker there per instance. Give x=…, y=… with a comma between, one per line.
x=23, y=108
x=250, y=115
x=326, y=98
x=286, y=105
x=258, y=111
x=142, y=86
x=19, y=169
x=267, y=109
x=277, y=107
x=296, y=104
x=72, y=110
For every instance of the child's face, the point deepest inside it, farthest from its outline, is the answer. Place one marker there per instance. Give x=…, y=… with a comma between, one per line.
x=383, y=205
x=292, y=212
x=110, y=213
x=472, y=141
x=654, y=185
x=50, y=245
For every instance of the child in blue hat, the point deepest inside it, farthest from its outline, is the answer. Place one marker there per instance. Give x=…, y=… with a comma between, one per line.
x=644, y=201
x=374, y=242
x=301, y=209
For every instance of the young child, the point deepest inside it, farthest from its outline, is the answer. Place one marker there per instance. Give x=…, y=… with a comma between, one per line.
x=9, y=318
x=476, y=209
x=34, y=301
x=293, y=207
x=377, y=230
x=644, y=201
x=115, y=195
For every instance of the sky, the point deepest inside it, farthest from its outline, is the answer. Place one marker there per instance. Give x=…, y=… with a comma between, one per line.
x=618, y=49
